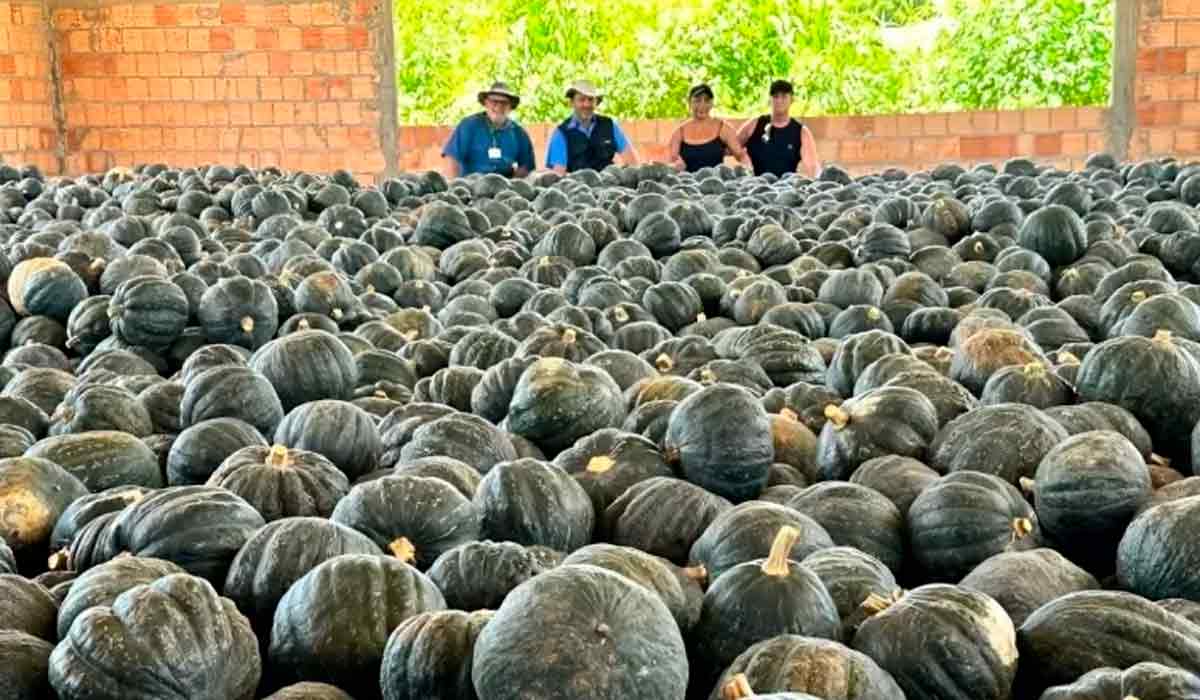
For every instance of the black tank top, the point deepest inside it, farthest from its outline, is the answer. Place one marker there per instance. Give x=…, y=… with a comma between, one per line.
x=702, y=155
x=778, y=154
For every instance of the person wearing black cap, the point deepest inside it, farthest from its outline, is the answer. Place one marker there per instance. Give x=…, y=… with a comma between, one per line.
x=587, y=139
x=776, y=142
x=703, y=140
x=490, y=141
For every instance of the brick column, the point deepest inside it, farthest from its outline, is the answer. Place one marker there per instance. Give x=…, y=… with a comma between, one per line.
x=1168, y=66
x=28, y=133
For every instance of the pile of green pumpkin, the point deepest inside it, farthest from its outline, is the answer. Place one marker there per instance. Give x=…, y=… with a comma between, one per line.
x=628, y=435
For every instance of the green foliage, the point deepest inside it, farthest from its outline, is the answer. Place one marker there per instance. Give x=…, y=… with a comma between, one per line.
x=646, y=53
x=1051, y=53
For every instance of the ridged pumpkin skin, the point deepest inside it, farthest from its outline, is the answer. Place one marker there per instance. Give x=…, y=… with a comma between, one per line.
x=534, y=503
x=851, y=576
x=23, y=675
x=478, y=575
x=102, y=459
x=201, y=449
x=556, y=402
x=1086, y=491
x=900, y=479
x=45, y=287
x=1154, y=379
x=1080, y=632
x=680, y=589
x=334, y=623
x=1144, y=681
x=609, y=461
x=759, y=600
x=462, y=436
x=965, y=518
x=1158, y=555
x=337, y=430
x=231, y=392
x=416, y=518
x=33, y=495
x=103, y=584
x=580, y=633
x=661, y=516
x=148, y=311
x=101, y=407
x=1022, y=582
x=856, y=516
x=885, y=421
x=746, y=532
x=278, y=555
x=942, y=642
x=818, y=667
x=197, y=527
x=27, y=607
x=309, y=691
x=429, y=656
x=239, y=311
x=1007, y=440
x=721, y=439
x=173, y=639
x=282, y=483
x=307, y=366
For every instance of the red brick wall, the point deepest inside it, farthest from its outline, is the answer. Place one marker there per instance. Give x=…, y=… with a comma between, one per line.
x=290, y=84
x=27, y=130
x=1168, y=65
x=1062, y=136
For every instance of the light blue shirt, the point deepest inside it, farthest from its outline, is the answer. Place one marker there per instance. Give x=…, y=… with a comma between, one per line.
x=556, y=150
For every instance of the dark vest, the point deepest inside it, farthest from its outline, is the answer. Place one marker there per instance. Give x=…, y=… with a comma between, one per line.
x=595, y=152
x=781, y=153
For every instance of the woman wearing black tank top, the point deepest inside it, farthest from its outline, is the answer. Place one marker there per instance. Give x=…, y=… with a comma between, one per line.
x=777, y=143
x=703, y=140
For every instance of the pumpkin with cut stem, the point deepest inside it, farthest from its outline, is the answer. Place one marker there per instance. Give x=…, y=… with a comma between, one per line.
x=739, y=687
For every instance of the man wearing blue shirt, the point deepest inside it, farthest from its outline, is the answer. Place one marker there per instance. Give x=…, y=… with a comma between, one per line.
x=490, y=141
x=586, y=139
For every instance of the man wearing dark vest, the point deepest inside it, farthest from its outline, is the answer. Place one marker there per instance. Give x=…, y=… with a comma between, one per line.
x=776, y=142
x=586, y=139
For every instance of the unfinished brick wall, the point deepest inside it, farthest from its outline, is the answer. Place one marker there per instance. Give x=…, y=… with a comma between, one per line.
x=88, y=84
x=28, y=134
x=289, y=84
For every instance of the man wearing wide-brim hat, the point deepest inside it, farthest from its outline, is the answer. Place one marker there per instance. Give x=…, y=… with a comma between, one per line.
x=586, y=139
x=491, y=141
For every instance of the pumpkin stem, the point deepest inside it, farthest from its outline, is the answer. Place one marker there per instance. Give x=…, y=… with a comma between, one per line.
x=1034, y=370
x=131, y=496
x=278, y=457
x=568, y=336
x=837, y=416
x=701, y=317
x=427, y=309
x=336, y=314
x=412, y=335
x=600, y=464
x=370, y=289
x=671, y=455
x=1026, y=484
x=875, y=603
x=789, y=414
x=943, y=353
x=72, y=342
x=621, y=315
x=1162, y=335
x=873, y=314
x=303, y=324
x=114, y=310
x=1021, y=528
x=1137, y=297
x=1070, y=273
x=380, y=395
x=697, y=573
x=664, y=363
x=777, y=562
x=737, y=688
x=1159, y=461
x=403, y=550
x=707, y=376
x=247, y=325
x=978, y=247
x=60, y=560
x=1067, y=358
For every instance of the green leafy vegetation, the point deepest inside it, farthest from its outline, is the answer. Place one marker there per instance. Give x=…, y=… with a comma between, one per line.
x=845, y=56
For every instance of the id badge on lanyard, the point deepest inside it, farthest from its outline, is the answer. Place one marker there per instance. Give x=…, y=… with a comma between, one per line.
x=494, y=153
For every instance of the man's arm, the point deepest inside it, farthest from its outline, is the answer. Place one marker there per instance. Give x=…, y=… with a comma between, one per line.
x=673, y=149
x=556, y=153
x=525, y=162
x=733, y=145
x=452, y=154
x=743, y=134
x=810, y=162
x=625, y=147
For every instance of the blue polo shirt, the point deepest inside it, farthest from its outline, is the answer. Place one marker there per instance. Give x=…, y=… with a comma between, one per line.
x=474, y=137
x=556, y=150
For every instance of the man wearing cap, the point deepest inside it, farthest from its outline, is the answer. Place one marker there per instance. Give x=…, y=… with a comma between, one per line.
x=776, y=142
x=586, y=139
x=490, y=141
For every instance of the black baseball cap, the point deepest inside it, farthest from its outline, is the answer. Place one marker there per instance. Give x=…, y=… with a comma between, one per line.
x=701, y=89
x=781, y=87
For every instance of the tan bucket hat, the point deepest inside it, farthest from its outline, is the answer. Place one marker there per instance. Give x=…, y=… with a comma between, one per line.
x=500, y=89
x=585, y=88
